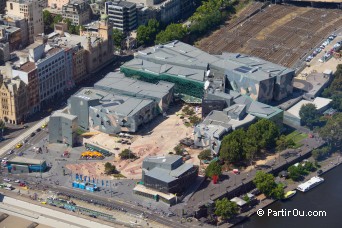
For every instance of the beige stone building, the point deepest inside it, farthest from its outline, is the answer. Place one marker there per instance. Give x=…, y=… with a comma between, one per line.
x=13, y=100
x=32, y=11
x=57, y=4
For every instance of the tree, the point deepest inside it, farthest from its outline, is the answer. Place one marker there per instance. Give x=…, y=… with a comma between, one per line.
x=332, y=131
x=309, y=166
x=205, y=154
x=2, y=127
x=232, y=146
x=48, y=21
x=194, y=120
x=309, y=115
x=263, y=134
x=172, y=32
x=146, y=34
x=264, y=182
x=294, y=173
x=213, y=169
x=320, y=153
x=127, y=154
x=284, y=143
x=225, y=208
x=179, y=150
x=118, y=38
x=110, y=169
x=58, y=18
x=278, y=192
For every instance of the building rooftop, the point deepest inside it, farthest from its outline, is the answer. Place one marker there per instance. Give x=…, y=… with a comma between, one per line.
x=170, y=159
x=28, y=67
x=184, y=55
x=26, y=160
x=240, y=202
x=319, y=102
x=64, y=115
x=9, y=29
x=122, y=3
x=116, y=82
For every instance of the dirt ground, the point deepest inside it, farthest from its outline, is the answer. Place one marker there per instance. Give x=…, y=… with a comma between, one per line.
x=157, y=138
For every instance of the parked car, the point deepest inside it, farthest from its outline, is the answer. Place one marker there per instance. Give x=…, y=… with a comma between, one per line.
x=10, y=152
x=17, y=181
x=38, y=130
x=319, y=172
x=7, y=180
x=33, y=134
x=22, y=185
x=19, y=145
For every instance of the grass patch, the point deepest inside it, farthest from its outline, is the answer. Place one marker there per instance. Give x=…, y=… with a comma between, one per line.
x=297, y=137
x=119, y=175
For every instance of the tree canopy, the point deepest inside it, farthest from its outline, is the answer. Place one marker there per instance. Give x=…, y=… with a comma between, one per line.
x=225, y=208
x=127, y=154
x=213, y=169
x=309, y=115
x=172, y=32
x=205, y=154
x=232, y=146
x=240, y=144
x=146, y=34
x=266, y=184
x=332, y=131
x=110, y=168
x=118, y=37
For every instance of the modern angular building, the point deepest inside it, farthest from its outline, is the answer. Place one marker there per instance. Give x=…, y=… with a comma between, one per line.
x=181, y=63
x=62, y=128
x=168, y=174
x=117, y=103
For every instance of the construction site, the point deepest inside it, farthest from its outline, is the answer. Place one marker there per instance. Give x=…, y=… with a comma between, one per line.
x=282, y=34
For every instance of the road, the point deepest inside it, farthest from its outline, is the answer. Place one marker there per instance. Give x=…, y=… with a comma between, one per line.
x=230, y=181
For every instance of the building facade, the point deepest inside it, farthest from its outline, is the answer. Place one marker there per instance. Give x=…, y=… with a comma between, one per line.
x=78, y=12
x=62, y=128
x=13, y=100
x=12, y=35
x=18, y=22
x=32, y=11
x=122, y=15
x=28, y=73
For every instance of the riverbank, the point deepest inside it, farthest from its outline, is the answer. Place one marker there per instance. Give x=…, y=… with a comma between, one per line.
x=326, y=166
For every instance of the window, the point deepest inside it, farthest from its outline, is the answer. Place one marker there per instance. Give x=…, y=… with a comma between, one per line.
x=11, y=6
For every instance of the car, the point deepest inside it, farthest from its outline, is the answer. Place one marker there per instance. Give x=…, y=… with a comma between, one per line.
x=320, y=60
x=8, y=188
x=38, y=130
x=19, y=145
x=33, y=134
x=44, y=125
x=22, y=185
x=25, y=126
x=17, y=181
x=319, y=172
x=7, y=180
x=10, y=152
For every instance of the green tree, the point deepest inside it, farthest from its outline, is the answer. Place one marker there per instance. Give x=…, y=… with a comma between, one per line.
x=205, y=154
x=263, y=134
x=264, y=182
x=225, y=208
x=127, y=154
x=172, y=32
x=213, y=169
x=194, y=120
x=278, y=192
x=332, y=131
x=48, y=21
x=110, y=169
x=118, y=38
x=146, y=34
x=309, y=166
x=58, y=18
x=294, y=173
x=309, y=115
x=179, y=149
x=284, y=143
x=232, y=146
x=320, y=153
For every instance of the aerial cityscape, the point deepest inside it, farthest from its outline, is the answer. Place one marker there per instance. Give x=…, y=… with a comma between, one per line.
x=170, y=113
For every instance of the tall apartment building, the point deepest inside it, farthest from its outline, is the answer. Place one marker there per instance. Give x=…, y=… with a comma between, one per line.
x=32, y=11
x=13, y=100
x=77, y=11
x=122, y=15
